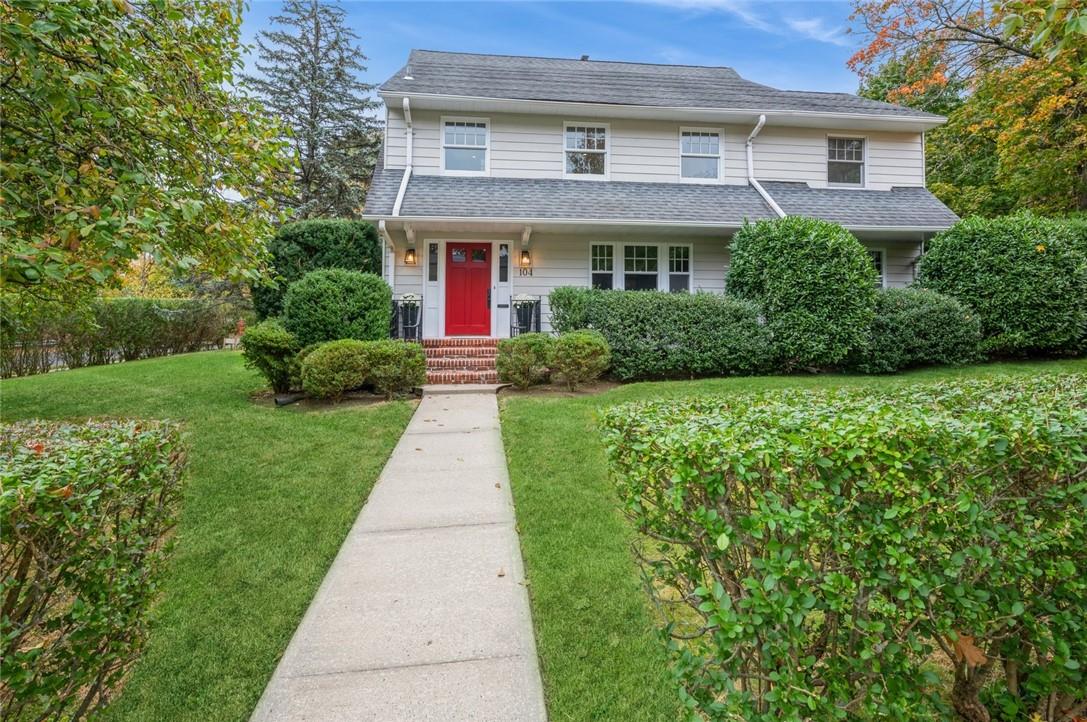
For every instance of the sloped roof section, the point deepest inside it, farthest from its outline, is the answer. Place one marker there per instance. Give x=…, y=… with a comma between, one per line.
x=899, y=207
x=638, y=84
x=529, y=199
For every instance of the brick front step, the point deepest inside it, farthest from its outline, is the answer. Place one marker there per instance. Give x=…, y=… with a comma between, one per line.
x=460, y=351
x=459, y=342
x=462, y=376
x=460, y=363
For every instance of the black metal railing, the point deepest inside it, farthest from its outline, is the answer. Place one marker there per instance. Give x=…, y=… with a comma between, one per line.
x=407, y=321
x=524, y=315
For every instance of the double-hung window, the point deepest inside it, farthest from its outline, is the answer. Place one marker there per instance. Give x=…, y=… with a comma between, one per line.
x=845, y=161
x=586, y=150
x=679, y=268
x=878, y=260
x=699, y=154
x=602, y=260
x=640, y=268
x=464, y=145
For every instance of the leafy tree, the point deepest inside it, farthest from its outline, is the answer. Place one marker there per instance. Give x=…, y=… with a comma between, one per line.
x=309, y=79
x=120, y=138
x=312, y=245
x=1019, y=138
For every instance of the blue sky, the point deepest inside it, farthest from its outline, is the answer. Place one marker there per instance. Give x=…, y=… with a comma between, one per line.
x=792, y=45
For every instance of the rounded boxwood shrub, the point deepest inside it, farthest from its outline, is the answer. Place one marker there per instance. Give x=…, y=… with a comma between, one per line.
x=395, y=366
x=270, y=349
x=333, y=304
x=918, y=327
x=335, y=367
x=815, y=284
x=580, y=357
x=525, y=360
x=656, y=335
x=1022, y=274
x=304, y=246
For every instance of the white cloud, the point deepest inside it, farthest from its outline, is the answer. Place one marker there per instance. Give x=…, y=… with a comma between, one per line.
x=753, y=15
x=817, y=29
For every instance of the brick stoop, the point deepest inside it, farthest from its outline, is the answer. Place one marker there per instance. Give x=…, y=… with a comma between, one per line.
x=461, y=360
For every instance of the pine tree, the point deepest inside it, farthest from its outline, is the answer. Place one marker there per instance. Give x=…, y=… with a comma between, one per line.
x=309, y=68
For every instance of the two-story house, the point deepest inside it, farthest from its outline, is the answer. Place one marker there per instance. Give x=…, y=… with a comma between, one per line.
x=506, y=177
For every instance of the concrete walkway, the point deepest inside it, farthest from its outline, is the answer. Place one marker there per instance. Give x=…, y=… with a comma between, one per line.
x=424, y=614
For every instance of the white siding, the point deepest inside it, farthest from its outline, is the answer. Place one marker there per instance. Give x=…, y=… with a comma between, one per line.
x=563, y=260
x=531, y=146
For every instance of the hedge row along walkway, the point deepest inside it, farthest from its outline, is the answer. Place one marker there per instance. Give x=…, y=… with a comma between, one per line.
x=424, y=614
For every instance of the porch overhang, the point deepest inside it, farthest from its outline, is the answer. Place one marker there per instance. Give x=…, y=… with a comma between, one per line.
x=510, y=205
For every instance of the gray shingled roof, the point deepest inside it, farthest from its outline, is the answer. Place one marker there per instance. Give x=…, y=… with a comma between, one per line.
x=900, y=206
x=433, y=196
x=594, y=81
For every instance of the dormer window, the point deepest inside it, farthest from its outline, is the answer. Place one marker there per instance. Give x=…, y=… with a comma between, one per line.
x=586, y=150
x=464, y=146
x=845, y=161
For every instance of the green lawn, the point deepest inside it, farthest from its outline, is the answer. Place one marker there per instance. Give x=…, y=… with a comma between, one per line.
x=269, y=497
x=600, y=654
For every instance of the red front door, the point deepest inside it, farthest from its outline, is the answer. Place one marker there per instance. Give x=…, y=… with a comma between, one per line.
x=468, y=289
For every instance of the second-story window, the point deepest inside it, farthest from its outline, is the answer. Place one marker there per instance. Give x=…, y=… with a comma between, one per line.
x=845, y=161
x=586, y=150
x=464, y=145
x=699, y=154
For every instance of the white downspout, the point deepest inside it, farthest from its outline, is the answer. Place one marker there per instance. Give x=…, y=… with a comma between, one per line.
x=386, y=239
x=407, y=158
x=751, y=169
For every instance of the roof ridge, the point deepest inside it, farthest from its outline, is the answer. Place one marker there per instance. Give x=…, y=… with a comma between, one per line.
x=575, y=60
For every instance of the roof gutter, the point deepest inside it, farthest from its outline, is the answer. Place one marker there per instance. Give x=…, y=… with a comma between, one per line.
x=542, y=223
x=735, y=115
x=751, y=169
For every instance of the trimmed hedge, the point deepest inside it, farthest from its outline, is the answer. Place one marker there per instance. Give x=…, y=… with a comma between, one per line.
x=525, y=360
x=304, y=246
x=1025, y=276
x=654, y=335
x=335, y=304
x=918, y=327
x=85, y=511
x=579, y=357
x=269, y=349
x=826, y=545
x=330, y=369
x=33, y=336
x=814, y=282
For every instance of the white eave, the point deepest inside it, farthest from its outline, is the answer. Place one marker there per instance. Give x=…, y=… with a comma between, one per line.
x=794, y=118
x=507, y=224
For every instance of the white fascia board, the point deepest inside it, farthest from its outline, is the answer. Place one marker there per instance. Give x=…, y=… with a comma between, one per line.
x=693, y=225
x=798, y=118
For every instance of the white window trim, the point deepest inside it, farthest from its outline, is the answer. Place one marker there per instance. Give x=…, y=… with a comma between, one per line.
x=666, y=284
x=883, y=263
x=720, y=154
x=607, y=149
x=486, y=150
x=618, y=267
x=864, y=163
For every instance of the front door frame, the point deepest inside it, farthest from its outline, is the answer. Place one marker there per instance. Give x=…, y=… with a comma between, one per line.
x=442, y=250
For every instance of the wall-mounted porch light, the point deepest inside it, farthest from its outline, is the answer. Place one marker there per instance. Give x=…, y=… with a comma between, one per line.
x=526, y=258
x=409, y=256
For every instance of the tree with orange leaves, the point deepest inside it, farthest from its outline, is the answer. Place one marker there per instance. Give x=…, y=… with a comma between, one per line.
x=1012, y=78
